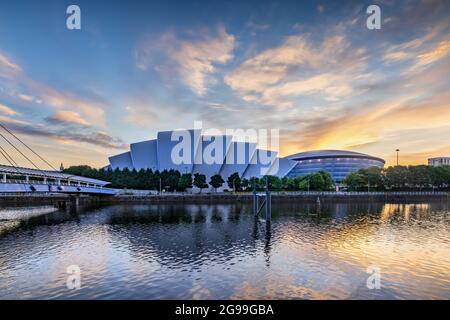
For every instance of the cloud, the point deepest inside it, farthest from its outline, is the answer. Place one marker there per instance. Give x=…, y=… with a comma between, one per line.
x=7, y=67
x=25, y=97
x=7, y=111
x=255, y=27
x=193, y=59
x=62, y=133
x=141, y=116
x=59, y=99
x=440, y=51
x=49, y=96
x=379, y=127
x=421, y=51
x=68, y=117
x=299, y=67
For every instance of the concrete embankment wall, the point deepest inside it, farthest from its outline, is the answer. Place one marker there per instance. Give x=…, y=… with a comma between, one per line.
x=43, y=199
x=282, y=197
x=11, y=200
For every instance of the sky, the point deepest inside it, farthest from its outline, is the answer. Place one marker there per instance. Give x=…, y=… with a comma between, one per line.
x=311, y=69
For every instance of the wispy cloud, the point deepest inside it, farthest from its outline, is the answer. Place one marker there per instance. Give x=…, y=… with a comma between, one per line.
x=193, y=60
x=61, y=133
x=41, y=93
x=299, y=67
x=7, y=110
x=7, y=67
x=140, y=115
x=68, y=117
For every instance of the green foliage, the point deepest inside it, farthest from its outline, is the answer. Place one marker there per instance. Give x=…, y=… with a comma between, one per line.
x=234, y=182
x=185, y=181
x=245, y=184
x=216, y=181
x=399, y=178
x=200, y=181
x=373, y=179
x=274, y=182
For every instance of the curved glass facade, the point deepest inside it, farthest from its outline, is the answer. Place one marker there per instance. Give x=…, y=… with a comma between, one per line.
x=338, y=164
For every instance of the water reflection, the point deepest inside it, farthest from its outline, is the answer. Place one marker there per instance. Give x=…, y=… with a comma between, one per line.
x=222, y=251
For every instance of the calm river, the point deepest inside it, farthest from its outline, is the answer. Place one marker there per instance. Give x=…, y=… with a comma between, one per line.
x=221, y=252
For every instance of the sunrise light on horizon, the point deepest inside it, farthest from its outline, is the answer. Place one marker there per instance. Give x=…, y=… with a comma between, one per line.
x=314, y=71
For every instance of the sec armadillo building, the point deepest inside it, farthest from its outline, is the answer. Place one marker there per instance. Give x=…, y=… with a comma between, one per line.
x=230, y=156
x=235, y=156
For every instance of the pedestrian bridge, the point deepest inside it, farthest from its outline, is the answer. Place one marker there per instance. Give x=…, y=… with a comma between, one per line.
x=20, y=180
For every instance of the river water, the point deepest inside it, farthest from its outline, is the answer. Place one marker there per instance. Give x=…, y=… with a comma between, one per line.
x=221, y=252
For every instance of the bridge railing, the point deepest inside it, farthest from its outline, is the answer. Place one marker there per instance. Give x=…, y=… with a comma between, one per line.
x=52, y=183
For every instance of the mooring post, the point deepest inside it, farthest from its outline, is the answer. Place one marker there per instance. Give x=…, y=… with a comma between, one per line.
x=255, y=200
x=318, y=206
x=268, y=203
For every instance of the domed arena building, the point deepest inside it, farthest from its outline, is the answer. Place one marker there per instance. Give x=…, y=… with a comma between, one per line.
x=337, y=162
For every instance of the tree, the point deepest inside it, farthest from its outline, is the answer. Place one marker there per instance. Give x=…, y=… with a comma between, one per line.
x=216, y=181
x=440, y=176
x=354, y=181
x=396, y=177
x=245, y=184
x=328, y=182
x=185, y=181
x=274, y=183
x=316, y=181
x=419, y=176
x=234, y=182
x=365, y=179
x=255, y=183
x=289, y=183
x=303, y=184
x=200, y=181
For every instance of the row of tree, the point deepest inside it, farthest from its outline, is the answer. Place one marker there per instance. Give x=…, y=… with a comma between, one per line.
x=372, y=179
x=399, y=178
x=173, y=180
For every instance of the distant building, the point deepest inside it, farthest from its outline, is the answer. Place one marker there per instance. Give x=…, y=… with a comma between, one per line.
x=439, y=161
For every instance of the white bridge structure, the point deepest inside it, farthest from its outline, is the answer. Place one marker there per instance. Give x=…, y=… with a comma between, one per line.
x=19, y=180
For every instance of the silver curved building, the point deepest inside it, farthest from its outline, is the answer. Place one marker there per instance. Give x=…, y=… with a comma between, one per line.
x=228, y=156
x=337, y=162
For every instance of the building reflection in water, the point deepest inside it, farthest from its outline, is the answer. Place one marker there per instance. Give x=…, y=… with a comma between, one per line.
x=222, y=251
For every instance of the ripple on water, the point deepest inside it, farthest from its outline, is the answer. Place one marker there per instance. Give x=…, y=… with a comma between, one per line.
x=221, y=252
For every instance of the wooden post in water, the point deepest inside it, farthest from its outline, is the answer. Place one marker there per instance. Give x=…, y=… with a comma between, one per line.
x=318, y=206
x=255, y=199
x=268, y=203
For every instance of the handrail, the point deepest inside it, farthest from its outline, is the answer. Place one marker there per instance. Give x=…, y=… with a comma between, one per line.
x=31, y=182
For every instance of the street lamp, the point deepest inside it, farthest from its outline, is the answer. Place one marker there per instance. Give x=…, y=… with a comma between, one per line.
x=397, y=150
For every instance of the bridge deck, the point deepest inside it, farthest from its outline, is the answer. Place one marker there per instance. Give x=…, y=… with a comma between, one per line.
x=32, y=187
x=9, y=171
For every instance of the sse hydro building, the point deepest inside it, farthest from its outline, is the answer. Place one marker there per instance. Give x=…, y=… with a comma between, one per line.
x=337, y=162
x=234, y=156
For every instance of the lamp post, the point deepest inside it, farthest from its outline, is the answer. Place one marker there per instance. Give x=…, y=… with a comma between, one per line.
x=160, y=187
x=397, y=150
